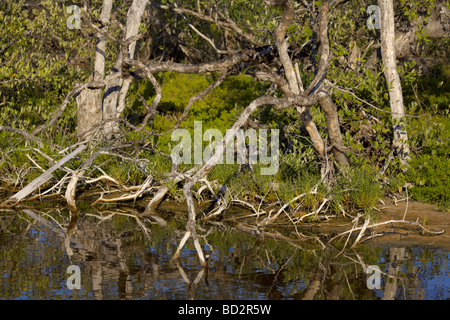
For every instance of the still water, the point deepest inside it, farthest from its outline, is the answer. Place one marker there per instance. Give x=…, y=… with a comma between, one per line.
x=119, y=257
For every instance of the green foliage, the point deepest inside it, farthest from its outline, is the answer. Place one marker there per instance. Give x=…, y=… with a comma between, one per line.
x=41, y=59
x=218, y=110
x=430, y=166
x=430, y=177
x=36, y=63
x=431, y=93
x=359, y=189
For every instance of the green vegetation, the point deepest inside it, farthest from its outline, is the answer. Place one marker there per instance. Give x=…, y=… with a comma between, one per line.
x=298, y=171
x=34, y=85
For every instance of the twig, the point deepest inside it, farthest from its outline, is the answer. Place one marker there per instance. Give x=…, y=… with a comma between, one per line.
x=315, y=212
x=271, y=219
x=364, y=227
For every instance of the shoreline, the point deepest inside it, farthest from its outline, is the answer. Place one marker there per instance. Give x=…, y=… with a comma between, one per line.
x=395, y=235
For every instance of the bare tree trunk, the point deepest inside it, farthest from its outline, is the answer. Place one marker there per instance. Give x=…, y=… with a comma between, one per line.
x=334, y=131
x=328, y=107
x=116, y=90
x=293, y=76
x=400, y=141
x=90, y=100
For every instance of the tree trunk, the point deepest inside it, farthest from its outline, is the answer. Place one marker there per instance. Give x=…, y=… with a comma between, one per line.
x=116, y=91
x=310, y=126
x=93, y=107
x=400, y=140
x=293, y=76
x=90, y=100
x=334, y=131
x=89, y=103
x=328, y=107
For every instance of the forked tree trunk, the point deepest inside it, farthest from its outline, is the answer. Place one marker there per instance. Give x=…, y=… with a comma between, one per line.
x=293, y=76
x=90, y=100
x=97, y=111
x=116, y=91
x=400, y=139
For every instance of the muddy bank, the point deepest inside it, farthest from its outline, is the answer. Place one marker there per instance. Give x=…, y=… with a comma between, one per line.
x=393, y=234
x=398, y=234
x=406, y=235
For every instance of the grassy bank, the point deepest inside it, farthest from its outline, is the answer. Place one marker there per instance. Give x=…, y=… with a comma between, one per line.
x=299, y=172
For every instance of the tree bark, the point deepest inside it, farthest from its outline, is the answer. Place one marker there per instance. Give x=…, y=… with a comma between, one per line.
x=328, y=107
x=400, y=139
x=116, y=91
x=310, y=126
x=293, y=77
x=334, y=131
x=90, y=100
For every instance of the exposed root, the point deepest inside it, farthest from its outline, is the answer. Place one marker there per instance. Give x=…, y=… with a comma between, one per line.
x=127, y=197
x=223, y=205
x=261, y=215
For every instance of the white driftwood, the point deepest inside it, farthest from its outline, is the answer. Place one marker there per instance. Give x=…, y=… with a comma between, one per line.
x=39, y=181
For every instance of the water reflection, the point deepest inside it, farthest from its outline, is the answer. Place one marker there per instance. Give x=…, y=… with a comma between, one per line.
x=124, y=257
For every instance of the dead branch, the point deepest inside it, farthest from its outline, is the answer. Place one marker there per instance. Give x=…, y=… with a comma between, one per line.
x=24, y=134
x=127, y=197
x=19, y=196
x=368, y=226
x=77, y=174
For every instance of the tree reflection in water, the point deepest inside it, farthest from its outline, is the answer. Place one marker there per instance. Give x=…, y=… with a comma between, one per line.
x=124, y=256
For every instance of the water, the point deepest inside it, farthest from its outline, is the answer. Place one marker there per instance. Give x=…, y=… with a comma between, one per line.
x=117, y=260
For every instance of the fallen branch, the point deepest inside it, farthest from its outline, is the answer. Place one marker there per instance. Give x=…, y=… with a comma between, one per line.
x=36, y=183
x=126, y=197
x=413, y=223
x=222, y=207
